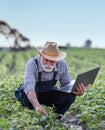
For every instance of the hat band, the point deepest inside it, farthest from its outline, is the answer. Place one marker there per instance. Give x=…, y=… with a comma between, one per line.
x=47, y=54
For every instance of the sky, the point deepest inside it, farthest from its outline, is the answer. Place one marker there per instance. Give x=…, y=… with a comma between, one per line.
x=61, y=21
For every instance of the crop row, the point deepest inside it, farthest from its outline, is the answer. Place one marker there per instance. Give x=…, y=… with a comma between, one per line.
x=90, y=107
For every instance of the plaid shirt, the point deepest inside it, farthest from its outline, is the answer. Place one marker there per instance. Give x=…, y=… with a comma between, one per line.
x=31, y=74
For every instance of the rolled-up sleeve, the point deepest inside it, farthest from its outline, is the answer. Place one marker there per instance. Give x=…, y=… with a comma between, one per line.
x=29, y=77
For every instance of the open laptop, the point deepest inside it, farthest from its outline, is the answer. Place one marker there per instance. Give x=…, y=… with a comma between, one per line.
x=86, y=78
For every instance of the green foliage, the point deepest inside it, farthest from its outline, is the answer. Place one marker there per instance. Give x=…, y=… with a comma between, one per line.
x=90, y=107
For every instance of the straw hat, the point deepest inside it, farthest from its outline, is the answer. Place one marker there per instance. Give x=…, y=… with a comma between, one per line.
x=51, y=52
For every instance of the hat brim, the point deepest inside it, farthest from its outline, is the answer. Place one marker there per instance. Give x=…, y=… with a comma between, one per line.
x=61, y=55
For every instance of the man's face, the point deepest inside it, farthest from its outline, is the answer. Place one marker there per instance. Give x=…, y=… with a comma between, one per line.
x=48, y=65
x=47, y=62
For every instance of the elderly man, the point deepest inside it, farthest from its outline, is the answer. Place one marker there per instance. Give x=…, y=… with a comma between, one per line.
x=41, y=75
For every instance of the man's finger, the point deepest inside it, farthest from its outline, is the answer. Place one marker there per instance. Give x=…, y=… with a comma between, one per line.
x=42, y=111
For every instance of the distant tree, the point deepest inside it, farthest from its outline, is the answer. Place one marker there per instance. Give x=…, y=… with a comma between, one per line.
x=68, y=45
x=88, y=43
x=8, y=32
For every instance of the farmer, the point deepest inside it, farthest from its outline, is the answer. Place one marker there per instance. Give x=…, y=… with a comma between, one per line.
x=41, y=75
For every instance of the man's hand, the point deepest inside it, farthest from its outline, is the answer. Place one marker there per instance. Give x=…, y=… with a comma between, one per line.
x=80, y=90
x=40, y=109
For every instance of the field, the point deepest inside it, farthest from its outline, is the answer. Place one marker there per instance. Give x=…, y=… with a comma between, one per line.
x=90, y=107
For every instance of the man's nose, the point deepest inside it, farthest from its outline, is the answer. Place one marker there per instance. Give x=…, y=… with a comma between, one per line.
x=48, y=63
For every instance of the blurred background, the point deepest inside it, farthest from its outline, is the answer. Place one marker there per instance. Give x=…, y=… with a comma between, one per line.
x=70, y=23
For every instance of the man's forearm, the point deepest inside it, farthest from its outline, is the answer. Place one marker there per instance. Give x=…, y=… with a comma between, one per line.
x=33, y=98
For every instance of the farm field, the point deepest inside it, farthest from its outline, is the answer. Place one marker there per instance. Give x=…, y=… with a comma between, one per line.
x=90, y=107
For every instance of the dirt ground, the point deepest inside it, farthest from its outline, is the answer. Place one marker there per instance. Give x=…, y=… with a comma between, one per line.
x=73, y=121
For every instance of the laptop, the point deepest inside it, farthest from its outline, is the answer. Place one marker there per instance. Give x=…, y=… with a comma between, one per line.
x=86, y=78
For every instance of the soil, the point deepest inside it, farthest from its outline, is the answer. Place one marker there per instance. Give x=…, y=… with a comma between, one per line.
x=74, y=122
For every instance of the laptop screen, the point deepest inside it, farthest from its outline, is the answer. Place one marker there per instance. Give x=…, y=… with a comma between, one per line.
x=86, y=78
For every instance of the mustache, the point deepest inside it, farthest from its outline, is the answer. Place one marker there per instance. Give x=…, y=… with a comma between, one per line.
x=48, y=67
